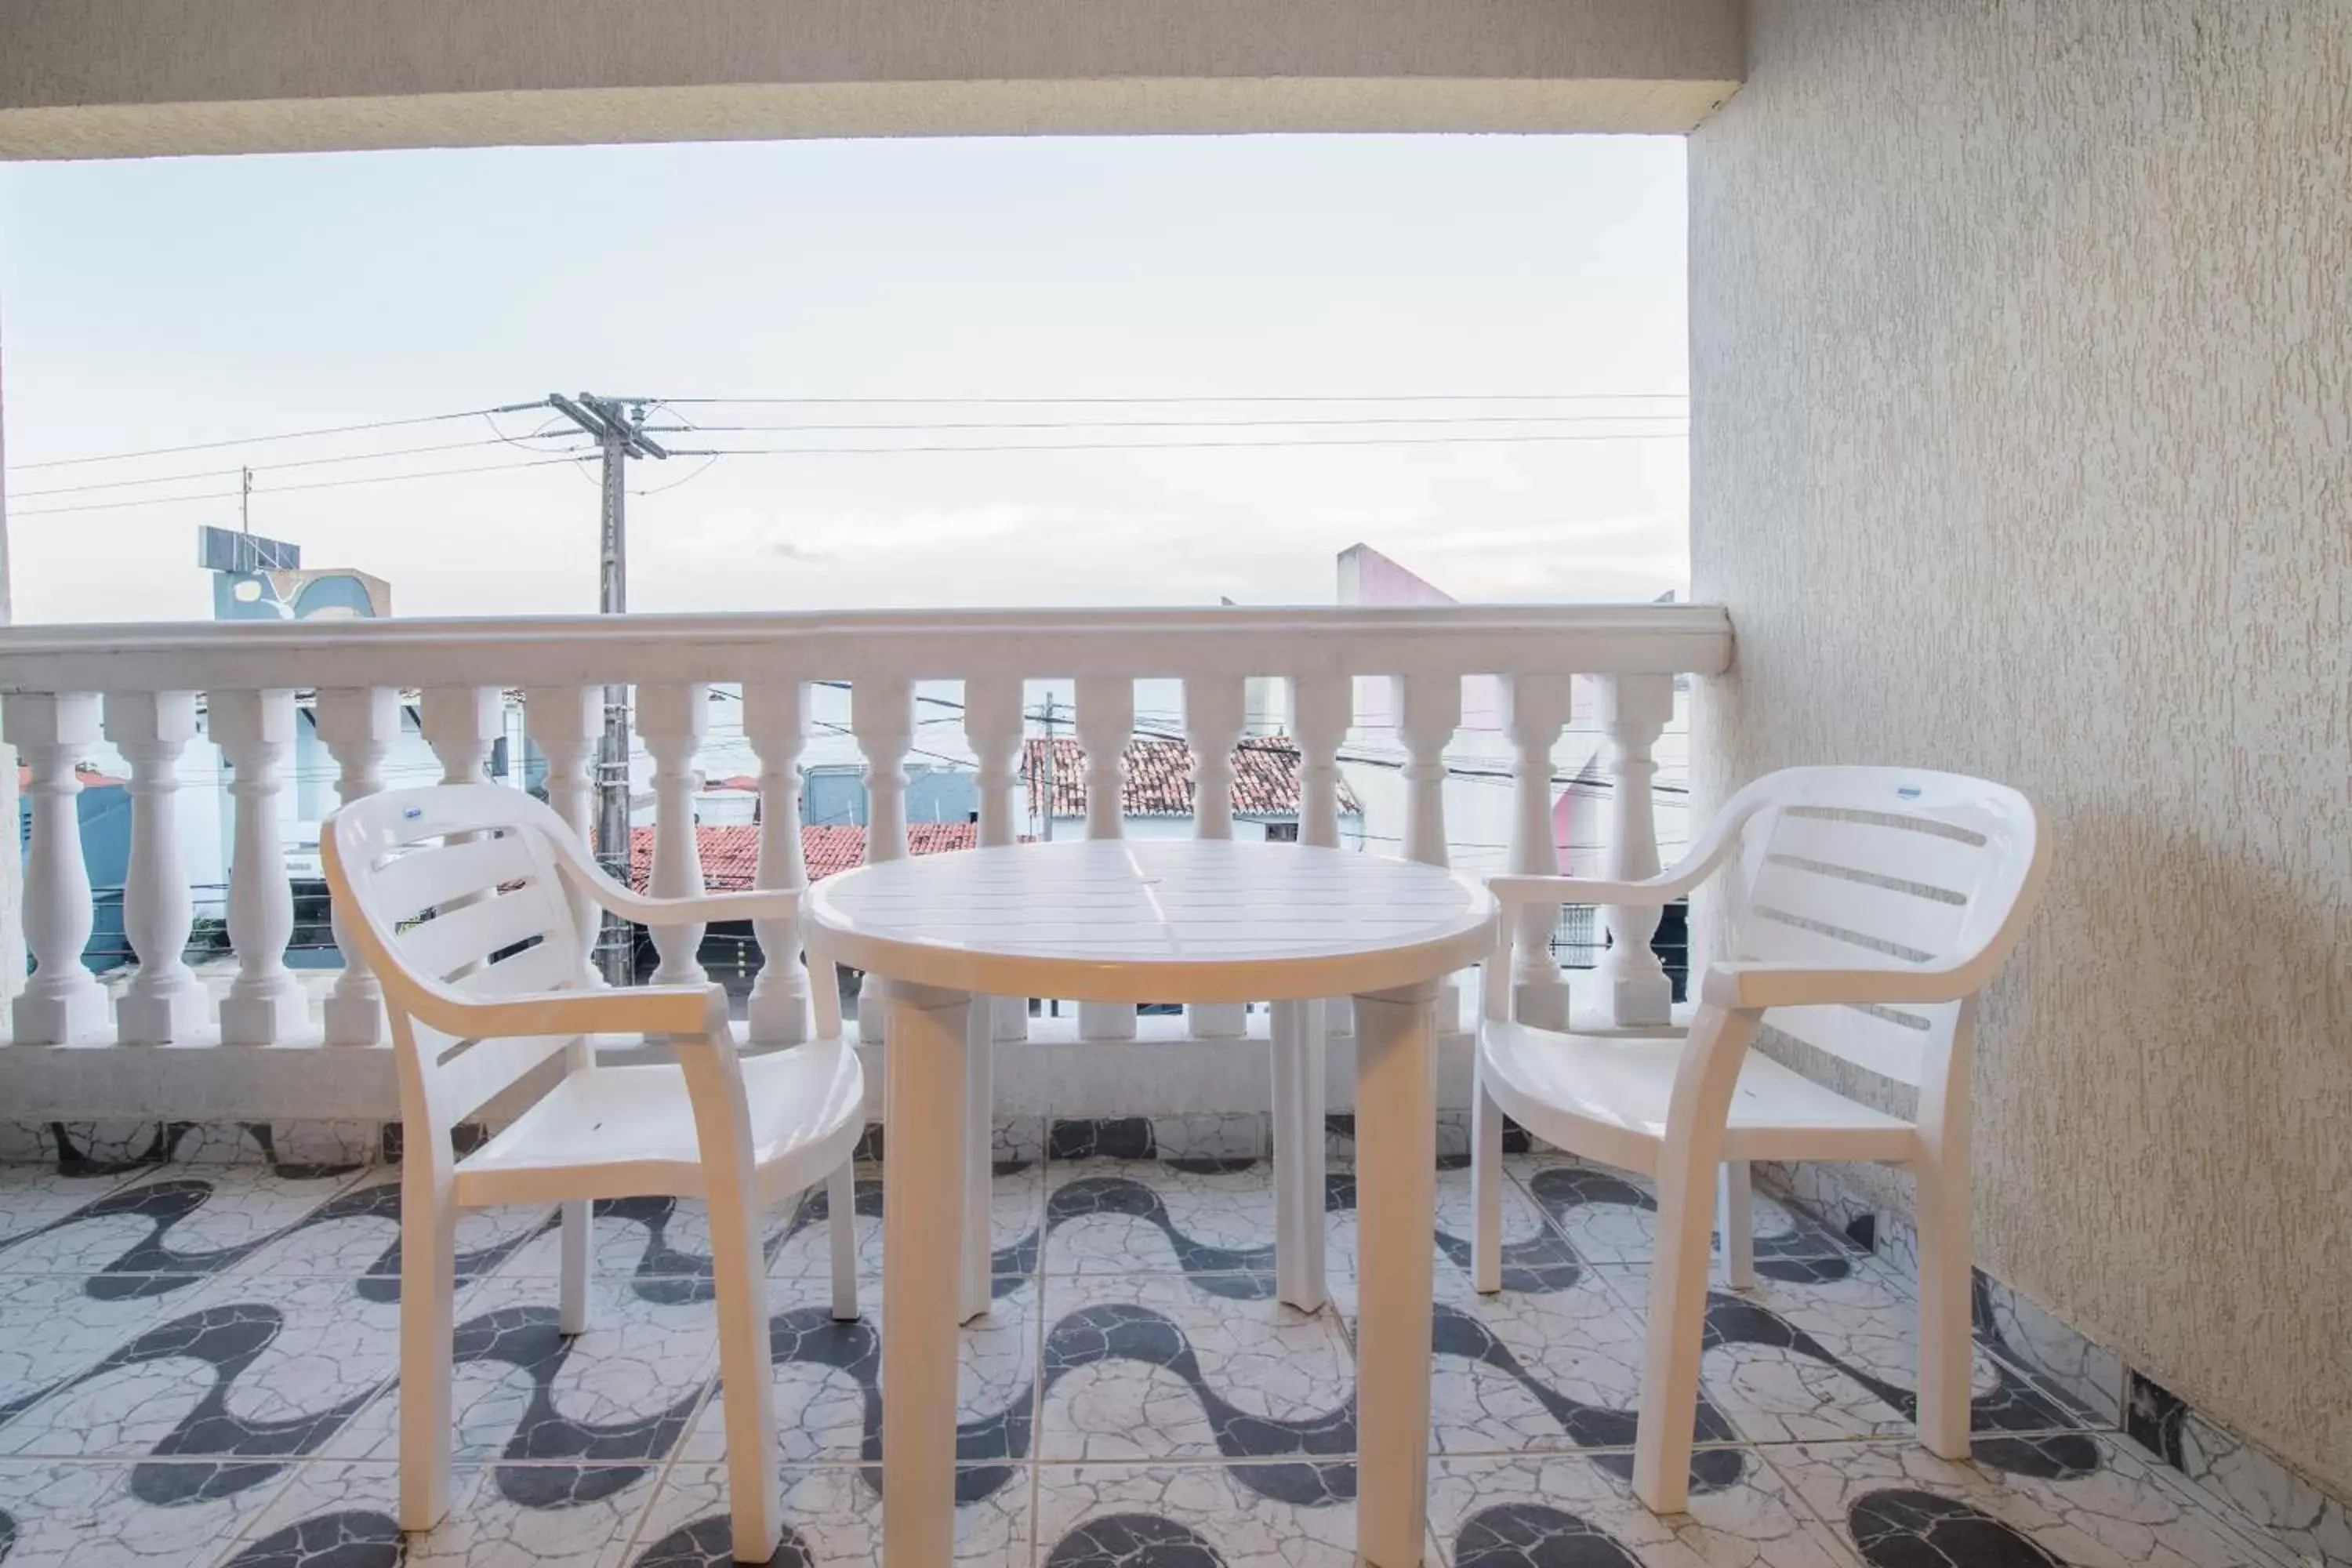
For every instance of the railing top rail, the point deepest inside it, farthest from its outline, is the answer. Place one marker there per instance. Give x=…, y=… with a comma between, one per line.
x=518, y=650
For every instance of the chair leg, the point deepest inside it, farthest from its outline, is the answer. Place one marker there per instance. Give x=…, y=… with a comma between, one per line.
x=1735, y=1218
x=571, y=1309
x=979, y=1156
x=923, y=1227
x=571, y=1314
x=841, y=1220
x=1673, y=1338
x=1946, y=1352
x=1485, y=1190
x=1396, y=1188
x=747, y=1389
x=428, y=1279
x=1298, y=1224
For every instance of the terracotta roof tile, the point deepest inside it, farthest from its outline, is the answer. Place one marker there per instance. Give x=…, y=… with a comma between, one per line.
x=1160, y=777
x=731, y=856
x=88, y=778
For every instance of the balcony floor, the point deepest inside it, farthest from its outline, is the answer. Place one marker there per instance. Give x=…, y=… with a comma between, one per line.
x=196, y=1367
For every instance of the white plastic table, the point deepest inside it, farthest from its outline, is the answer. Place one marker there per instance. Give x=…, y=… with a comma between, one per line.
x=1173, y=920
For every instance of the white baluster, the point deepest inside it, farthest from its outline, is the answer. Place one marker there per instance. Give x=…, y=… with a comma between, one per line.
x=567, y=724
x=1321, y=709
x=358, y=724
x=63, y=1001
x=462, y=724
x=882, y=719
x=673, y=720
x=166, y=1001
x=775, y=721
x=1535, y=711
x=993, y=726
x=1106, y=722
x=1633, y=709
x=1213, y=727
x=1429, y=709
x=254, y=730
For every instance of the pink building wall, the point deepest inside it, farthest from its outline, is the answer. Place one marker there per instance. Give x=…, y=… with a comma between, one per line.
x=1367, y=577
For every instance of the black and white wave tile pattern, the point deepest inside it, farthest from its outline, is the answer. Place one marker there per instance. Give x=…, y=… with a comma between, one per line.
x=197, y=1366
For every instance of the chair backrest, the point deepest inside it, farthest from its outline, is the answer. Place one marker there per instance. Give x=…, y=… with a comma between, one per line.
x=1839, y=866
x=456, y=888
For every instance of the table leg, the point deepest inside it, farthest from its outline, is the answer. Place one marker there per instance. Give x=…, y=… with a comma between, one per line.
x=922, y=1271
x=979, y=1149
x=1396, y=1195
x=1298, y=1046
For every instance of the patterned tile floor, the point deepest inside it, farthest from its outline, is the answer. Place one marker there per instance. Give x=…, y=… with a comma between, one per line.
x=196, y=1367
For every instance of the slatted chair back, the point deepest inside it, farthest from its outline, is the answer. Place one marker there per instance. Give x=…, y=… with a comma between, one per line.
x=1846, y=865
x=457, y=893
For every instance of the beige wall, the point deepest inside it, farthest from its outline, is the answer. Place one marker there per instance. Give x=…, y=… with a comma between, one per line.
x=2022, y=348
x=99, y=78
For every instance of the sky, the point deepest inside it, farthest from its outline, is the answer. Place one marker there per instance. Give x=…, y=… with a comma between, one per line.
x=1434, y=294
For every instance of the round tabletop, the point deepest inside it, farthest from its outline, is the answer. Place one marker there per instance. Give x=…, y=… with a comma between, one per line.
x=1155, y=920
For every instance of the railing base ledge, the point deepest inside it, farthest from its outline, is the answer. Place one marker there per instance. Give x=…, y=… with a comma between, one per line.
x=1165, y=1072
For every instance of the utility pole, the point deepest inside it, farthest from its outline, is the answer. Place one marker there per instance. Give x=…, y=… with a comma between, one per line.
x=245, y=504
x=1045, y=772
x=622, y=435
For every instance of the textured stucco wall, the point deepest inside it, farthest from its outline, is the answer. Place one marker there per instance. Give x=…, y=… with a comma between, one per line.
x=96, y=77
x=2021, y=350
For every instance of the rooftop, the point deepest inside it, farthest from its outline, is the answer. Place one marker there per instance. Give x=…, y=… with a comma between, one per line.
x=200, y=1359
x=730, y=855
x=1160, y=777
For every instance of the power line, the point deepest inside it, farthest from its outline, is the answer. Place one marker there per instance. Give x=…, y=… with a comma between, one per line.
x=713, y=455
x=254, y=440
x=288, y=489
x=687, y=478
x=960, y=764
x=1144, y=729
x=183, y=478
x=1174, y=446
x=549, y=426
x=1198, y=398
x=1349, y=421
x=1173, y=400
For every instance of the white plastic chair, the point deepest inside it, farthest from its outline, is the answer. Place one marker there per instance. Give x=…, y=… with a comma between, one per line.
x=1865, y=908
x=473, y=1014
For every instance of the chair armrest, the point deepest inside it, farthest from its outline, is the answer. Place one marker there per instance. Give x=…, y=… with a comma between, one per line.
x=1714, y=846
x=765, y=904
x=616, y=898
x=757, y=904
x=1514, y=891
x=1750, y=986
x=682, y=1010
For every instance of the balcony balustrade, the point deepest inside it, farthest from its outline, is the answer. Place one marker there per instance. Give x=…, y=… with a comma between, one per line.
x=164, y=1047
